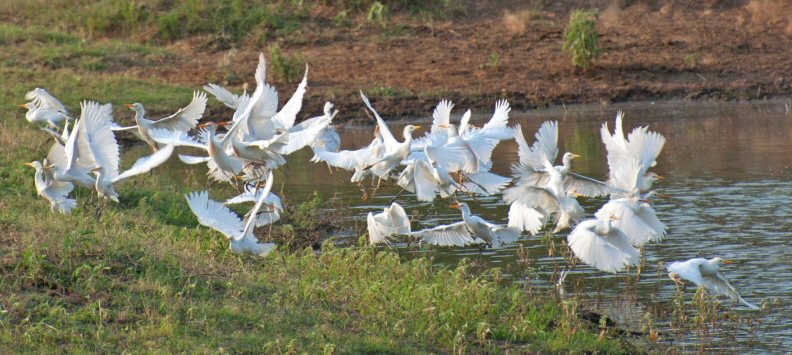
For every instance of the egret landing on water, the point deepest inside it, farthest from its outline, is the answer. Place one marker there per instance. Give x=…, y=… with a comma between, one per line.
x=703, y=272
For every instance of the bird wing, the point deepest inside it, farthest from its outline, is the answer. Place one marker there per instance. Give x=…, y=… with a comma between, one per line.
x=345, y=159
x=546, y=144
x=215, y=215
x=649, y=216
x=464, y=123
x=95, y=121
x=638, y=233
x=497, y=127
x=45, y=100
x=221, y=94
x=388, y=139
x=441, y=116
x=532, y=196
x=586, y=186
x=186, y=118
x=525, y=218
x=305, y=137
x=688, y=270
x=425, y=183
x=57, y=156
x=605, y=253
x=176, y=138
x=382, y=226
x=645, y=146
x=718, y=284
x=505, y=235
x=485, y=183
x=191, y=159
x=456, y=234
x=145, y=164
x=288, y=113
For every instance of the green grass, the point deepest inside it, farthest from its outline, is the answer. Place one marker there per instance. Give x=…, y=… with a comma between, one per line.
x=148, y=278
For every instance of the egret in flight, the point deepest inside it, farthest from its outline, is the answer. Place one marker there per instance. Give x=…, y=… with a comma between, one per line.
x=706, y=273
x=598, y=244
x=217, y=216
x=390, y=222
x=471, y=230
x=44, y=108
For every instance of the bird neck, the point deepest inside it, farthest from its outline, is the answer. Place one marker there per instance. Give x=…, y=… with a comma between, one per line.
x=465, y=213
x=567, y=165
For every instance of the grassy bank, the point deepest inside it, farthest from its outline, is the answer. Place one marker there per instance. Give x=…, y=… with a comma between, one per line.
x=148, y=278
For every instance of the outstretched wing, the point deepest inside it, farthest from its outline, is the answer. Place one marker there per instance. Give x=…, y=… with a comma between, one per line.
x=288, y=113
x=145, y=164
x=586, y=186
x=456, y=234
x=387, y=136
x=441, y=117
x=215, y=215
x=186, y=118
x=95, y=121
x=221, y=94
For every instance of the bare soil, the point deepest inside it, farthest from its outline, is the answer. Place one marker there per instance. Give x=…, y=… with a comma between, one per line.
x=651, y=50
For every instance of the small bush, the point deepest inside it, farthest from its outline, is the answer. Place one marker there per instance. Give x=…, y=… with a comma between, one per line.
x=581, y=37
x=284, y=67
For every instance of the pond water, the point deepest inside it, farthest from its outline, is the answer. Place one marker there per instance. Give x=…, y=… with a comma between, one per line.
x=728, y=176
x=729, y=179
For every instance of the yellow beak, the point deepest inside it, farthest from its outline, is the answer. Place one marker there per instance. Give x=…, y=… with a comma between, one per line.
x=575, y=156
x=728, y=261
x=455, y=205
x=23, y=105
x=30, y=164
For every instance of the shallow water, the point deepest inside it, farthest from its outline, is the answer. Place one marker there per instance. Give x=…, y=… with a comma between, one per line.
x=729, y=176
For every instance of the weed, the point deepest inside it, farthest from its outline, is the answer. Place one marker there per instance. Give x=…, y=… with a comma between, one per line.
x=378, y=13
x=692, y=60
x=284, y=67
x=493, y=61
x=581, y=38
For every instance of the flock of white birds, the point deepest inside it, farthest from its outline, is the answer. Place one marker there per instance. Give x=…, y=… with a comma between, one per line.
x=449, y=162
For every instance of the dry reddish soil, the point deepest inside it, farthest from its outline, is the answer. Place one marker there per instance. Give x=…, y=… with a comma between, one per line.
x=651, y=50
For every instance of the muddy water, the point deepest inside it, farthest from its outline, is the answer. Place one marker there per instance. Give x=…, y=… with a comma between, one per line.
x=728, y=169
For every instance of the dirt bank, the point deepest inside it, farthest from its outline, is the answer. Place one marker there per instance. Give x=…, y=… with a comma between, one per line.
x=712, y=49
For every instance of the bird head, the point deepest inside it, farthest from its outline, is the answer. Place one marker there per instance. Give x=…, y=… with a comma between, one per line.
x=570, y=156
x=410, y=128
x=34, y=164
x=653, y=177
x=717, y=260
x=137, y=107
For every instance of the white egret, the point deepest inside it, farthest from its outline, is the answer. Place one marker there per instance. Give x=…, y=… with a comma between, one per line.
x=44, y=108
x=182, y=121
x=395, y=151
x=703, y=272
x=532, y=170
x=383, y=226
x=100, y=142
x=217, y=216
x=466, y=231
x=637, y=219
x=641, y=146
x=53, y=190
x=356, y=160
x=598, y=244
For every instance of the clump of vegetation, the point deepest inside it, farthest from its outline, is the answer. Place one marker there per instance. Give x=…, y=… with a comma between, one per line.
x=305, y=225
x=581, y=38
x=378, y=13
x=285, y=67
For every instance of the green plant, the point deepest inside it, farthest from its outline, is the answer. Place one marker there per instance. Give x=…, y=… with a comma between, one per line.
x=378, y=13
x=692, y=60
x=493, y=61
x=284, y=67
x=581, y=37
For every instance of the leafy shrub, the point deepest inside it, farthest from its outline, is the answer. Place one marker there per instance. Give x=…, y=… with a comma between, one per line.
x=284, y=67
x=581, y=37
